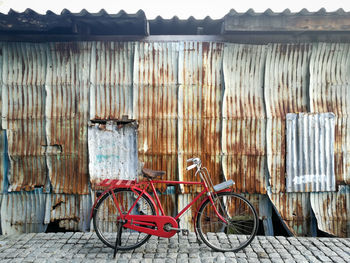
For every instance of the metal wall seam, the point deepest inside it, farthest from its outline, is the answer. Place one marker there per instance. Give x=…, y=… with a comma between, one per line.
x=285, y=91
x=199, y=103
x=71, y=212
x=244, y=120
x=67, y=114
x=112, y=152
x=23, y=114
x=111, y=80
x=23, y=212
x=310, y=152
x=295, y=211
x=329, y=85
x=332, y=211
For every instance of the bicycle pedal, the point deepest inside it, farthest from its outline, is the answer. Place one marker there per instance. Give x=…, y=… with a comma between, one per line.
x=185, y=232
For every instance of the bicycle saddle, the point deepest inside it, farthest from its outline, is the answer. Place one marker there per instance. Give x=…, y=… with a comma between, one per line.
x=151, y=173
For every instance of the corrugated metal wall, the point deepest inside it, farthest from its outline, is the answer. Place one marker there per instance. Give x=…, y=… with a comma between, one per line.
x=226, y=103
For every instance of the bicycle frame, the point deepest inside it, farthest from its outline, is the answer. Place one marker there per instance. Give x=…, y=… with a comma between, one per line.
x=159, y=220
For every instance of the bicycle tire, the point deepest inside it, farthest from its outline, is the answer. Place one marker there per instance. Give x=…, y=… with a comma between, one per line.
x=232, y=237
x=105, y=218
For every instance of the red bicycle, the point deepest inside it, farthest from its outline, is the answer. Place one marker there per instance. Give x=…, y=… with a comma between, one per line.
x=126, y=215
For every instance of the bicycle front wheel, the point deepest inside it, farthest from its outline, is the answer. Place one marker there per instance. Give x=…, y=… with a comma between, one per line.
x=239, y=229
x=105, y=218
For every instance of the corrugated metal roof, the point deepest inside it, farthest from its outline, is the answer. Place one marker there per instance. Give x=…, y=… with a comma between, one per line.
x=310, y=152
x=112, y=152
x=332, y=211
x=287, y=21
x=329, y=92
x=23, y=212
x=100, y=23
x=190, y=26
x=121, y=23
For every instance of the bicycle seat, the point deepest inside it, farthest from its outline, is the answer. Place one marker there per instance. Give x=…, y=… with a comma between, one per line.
x=151, y=173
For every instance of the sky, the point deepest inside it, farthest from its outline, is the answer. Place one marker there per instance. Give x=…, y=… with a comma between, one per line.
x=167, y=9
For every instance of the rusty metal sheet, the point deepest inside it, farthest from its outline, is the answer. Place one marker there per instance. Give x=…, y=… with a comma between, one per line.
x=72, y=212
x=155, y=92
x=23, y=113
x=244, y=121
x=23, y=81
x=286, y=79
x=112, y=152
x=26, y=151
x=23, y=212
x=329, y=92
x=155, y=63
x=67, y=104
x=243, y=67
x=295, y=211
x=285, y=91
x=310, y=152
x=111, y=80
x=332, y=211
x=199, y=108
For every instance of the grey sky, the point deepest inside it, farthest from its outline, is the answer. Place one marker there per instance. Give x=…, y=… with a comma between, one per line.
x=167, y=9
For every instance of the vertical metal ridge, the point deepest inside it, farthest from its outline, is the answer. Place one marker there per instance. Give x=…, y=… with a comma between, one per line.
x=329, y=85
x=285, y=91
x=67, y=113
x=111, y=77
x=199, y=104
x=23, y=77
x=155, y=86
x=286, y=79
x=23, y=212
x=244, y=120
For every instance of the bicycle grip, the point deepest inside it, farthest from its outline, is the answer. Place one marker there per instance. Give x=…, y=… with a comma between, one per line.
x=191, y=167
x=190, y=160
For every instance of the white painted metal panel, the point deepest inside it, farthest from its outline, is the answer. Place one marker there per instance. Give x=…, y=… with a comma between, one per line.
x=310, y=152
x=112, y=152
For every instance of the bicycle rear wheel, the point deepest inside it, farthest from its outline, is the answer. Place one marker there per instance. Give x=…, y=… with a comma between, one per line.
x=106, y=213
x=241, y=226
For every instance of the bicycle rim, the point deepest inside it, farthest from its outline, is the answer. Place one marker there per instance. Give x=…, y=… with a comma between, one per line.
x=241, y=226
x=105, y=219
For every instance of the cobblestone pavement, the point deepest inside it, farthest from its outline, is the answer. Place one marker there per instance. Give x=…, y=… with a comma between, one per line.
x=86, y=247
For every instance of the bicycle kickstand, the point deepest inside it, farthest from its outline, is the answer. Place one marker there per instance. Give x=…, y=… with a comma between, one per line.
x=118, y=239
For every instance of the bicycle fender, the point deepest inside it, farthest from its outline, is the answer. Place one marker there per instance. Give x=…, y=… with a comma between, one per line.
x=204, y=200
x=131, y=188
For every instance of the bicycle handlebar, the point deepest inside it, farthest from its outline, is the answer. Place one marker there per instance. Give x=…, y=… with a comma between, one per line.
x=196, y=162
